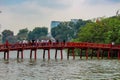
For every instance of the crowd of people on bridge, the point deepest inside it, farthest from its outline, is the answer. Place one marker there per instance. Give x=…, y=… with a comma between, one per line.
x=36, y=42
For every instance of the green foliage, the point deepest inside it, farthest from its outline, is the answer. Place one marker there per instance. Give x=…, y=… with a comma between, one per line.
x=38, y=33
x=22, y=34
x=62, y=32
x=6, y=35
x=105, y=31
x=67, y=30
x=12, y=39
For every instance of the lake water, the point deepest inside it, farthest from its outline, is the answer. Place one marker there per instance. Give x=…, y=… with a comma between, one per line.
x=58, y=69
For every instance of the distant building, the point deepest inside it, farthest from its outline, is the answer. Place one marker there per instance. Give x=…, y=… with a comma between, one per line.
x=54, y=24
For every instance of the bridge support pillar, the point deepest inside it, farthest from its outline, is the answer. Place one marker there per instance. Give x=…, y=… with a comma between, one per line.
x=6, y=57
x=102, y=54
x=98, y=53
x=43, y=54
x=48, y=54
x=73, y=53
x=92, y=53
x=108, y=54
x=119, y=55
x=35, y=57
x=81, y=54
x=68, y=54
x=55, y=53
x=60, y=53
x=86, y=52
x=21, y=54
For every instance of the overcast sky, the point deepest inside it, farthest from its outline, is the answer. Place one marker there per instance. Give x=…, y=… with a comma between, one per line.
x=19, y=14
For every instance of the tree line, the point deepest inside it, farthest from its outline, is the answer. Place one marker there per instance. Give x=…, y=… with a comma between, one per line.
x=24, y=34
x=106, y=30
x=67, y=30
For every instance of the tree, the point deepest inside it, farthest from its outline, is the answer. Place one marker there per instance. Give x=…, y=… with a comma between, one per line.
x=6, y=34
x=22, y=34
x=106, y=31
x=12, y=39
x=62, y=32
x=67, y=30
x=38, y=33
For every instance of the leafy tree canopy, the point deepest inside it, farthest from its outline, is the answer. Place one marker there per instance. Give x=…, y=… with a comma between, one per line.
x=67, y=30
x=22, y=34
x=37, y=33
x=6, y=34
x=105, y=31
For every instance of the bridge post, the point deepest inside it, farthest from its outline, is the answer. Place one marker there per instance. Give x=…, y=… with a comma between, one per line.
x=44, y=54
x=98, y=53
x=61, y=54
x=108, y=54
x=73, y=53
x=31, y=54
x=6, y=45
x=81, y=54
x=6, y=57
x=102, y=53
x=18, y=54
x=48, y=54
x=119, y=55
x=35, y=56
x=86, y=52
x=22, y=54
x=68, y=54
x=55, y=53
x=92, y=53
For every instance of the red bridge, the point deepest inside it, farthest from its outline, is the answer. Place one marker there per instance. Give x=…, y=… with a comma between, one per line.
x=89, y=49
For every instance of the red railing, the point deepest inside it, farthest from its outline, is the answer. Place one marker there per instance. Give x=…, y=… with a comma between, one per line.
x=19, y=47
x=43, y=45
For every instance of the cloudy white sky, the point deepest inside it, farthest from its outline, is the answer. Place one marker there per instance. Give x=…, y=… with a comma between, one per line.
x=19, y=14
